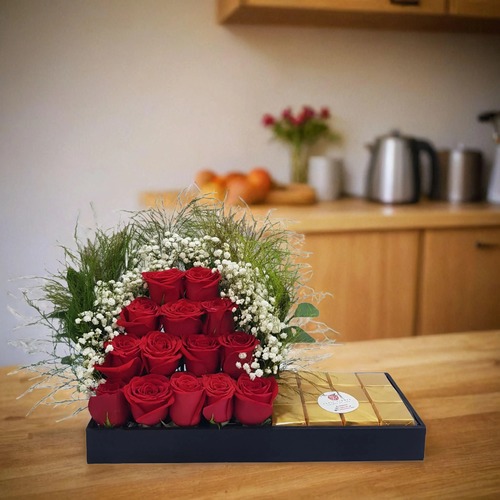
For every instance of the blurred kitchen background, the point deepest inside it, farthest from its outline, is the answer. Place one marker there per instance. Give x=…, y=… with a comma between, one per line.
x=101, y=100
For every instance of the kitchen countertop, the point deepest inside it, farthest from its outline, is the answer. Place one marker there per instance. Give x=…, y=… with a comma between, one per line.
x=356, y=214
x=452, y=380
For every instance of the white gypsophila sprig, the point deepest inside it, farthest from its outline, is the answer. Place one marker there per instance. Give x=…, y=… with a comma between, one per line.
x=246, y=287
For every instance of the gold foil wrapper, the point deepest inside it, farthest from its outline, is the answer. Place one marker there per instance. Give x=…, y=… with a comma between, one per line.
x=374, y=378
x=356, y=392
x=316, y=416
x=379, y=403
x=286, y=414
x=364, y=415
x=343, y=379
x=383, y=394
x=394, y=414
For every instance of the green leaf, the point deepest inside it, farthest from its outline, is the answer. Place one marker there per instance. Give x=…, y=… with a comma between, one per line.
x=299, y=336
x=67, y=360
x=108, y=423
x=306, y=310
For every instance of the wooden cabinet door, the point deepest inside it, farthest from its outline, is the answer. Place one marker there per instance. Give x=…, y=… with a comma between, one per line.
x=476, y=8
x=373, y=279
x=460, y=287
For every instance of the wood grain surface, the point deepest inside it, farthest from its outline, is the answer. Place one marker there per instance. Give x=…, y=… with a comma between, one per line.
x=453, y=382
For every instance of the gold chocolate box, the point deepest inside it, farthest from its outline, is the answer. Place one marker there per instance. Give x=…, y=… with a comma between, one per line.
x=371, y=400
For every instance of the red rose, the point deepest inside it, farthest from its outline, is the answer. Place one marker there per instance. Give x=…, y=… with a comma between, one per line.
x=139, y=317
x=189, y=397
x=125, y=348
x=201, y=354
x=219, y=388
x=161, y=352
x=253, y=399
x=219, y=316
x=149, y=397
x=109, y=406
x=124, y=361
x=181, y=318
x=123, y=373
x=202, y=284
x=165, y=286
x=234, y=344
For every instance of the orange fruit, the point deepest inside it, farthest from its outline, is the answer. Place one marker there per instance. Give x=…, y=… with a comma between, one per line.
x=204, y=177
x=261, y=181
x=240, y=190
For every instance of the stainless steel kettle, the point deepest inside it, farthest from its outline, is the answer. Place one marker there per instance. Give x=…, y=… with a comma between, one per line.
x=394, y=171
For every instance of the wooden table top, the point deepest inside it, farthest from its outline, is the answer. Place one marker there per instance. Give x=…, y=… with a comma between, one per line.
x=452, y=380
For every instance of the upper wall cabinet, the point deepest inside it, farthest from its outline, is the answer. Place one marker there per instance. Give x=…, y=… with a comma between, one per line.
x=428, y=15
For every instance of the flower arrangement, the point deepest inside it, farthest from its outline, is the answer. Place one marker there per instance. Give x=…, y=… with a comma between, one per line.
x=301, y=131
x=175, y=317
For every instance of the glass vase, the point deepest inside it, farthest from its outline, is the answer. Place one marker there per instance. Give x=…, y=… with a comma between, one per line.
x=299, y=159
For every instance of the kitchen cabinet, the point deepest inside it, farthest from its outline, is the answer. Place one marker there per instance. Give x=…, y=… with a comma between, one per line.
x=428, y=15
x=401, y=270
x=460, y=280
x=475, y=8
x=372, y=276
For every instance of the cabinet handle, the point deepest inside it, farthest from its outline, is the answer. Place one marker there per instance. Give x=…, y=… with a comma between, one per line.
x=405, y=3
x=484, y=245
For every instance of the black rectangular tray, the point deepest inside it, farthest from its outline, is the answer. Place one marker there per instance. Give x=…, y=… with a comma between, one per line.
x=235, y=443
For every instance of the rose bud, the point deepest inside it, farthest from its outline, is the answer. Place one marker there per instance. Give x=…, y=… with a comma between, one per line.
x=219, y=388
x=123, y=360
x=287, y=114
x=324, y=113
x=202, y=284
x=109, y=407
x=189, y=395
x=181, y=318
x=149, y=398
x=219, y=316
x=268, y=120
x=139, y=317
x=161, y=353
x=165, y=286
x=201, y=354
x=238, y=348
x=253, y=399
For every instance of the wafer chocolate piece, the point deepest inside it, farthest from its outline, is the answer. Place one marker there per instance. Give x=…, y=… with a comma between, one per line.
x=317, y=416
x=394, y=414
x=288, y=391
x=312, y=385
x=375, y=378
x=363, y=415
x=356, y=392
x=313, y=378
x=288, y=414
x=343, y=379
x=311, y=393
x=383, y=394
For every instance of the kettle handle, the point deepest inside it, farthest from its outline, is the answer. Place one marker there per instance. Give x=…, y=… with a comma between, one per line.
x=428, y=148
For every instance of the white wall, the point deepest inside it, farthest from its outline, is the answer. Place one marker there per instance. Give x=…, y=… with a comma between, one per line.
x=103, y=99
